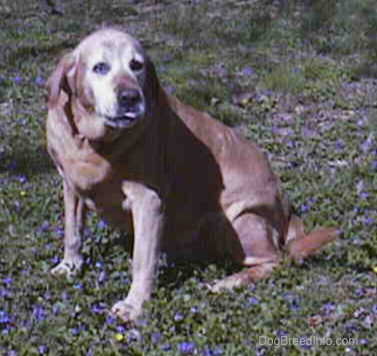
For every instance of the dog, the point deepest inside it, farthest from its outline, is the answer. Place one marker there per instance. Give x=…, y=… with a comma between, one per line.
x=180, y=180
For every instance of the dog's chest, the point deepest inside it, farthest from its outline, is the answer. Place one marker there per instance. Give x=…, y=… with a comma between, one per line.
x=85, y=170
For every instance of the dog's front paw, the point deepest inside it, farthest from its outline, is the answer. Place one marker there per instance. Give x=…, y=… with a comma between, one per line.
x=68, y=268
x=228, y=283
x=126, y=311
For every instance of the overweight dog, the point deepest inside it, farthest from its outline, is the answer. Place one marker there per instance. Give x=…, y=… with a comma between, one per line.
x=181, y=181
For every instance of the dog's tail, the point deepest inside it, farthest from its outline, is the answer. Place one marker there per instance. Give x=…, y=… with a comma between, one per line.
x=299, y=245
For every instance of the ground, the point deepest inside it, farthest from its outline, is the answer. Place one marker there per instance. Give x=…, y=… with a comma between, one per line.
x=297, y=77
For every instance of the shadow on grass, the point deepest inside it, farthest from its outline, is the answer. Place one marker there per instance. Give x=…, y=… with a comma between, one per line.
x=28, y=163
x=173, y=273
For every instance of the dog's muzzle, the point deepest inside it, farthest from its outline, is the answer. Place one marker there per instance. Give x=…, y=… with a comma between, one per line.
x=131, y=108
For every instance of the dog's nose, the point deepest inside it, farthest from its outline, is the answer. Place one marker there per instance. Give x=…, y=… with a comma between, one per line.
x=128, y=97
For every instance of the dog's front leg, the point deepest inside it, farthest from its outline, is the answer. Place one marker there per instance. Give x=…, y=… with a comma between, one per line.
x=74, y=214
x=147, y=213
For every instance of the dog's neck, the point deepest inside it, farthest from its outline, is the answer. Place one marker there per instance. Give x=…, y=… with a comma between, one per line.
x=123, y=142
x=111, y=144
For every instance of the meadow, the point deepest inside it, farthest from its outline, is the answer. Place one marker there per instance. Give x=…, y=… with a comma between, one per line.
x=297, y=77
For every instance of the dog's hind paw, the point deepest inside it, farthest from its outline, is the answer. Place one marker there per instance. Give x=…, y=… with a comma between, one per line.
x=125, y=311
x=227, y=283
x=245, y=278
x=68, y=268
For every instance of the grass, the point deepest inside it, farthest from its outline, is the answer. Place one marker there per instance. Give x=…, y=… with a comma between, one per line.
x=297, y=77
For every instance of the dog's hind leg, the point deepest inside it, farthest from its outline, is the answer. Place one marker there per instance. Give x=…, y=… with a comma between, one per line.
x=252, y=245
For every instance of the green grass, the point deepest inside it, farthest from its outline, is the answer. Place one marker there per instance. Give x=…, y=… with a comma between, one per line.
x=294, y=76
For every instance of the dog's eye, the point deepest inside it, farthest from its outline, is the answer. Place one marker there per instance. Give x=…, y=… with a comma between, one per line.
x=101, y=68
x=136, y=65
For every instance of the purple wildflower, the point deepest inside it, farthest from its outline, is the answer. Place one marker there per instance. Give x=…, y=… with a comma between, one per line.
x=59, y=231
x=43, y=349
x=328, y=307
x=304, y=208
x=195, y=310
x=247, y=71
x=360, y=122
x=207, y=352
x=17, y=79
x=100, y=265
x=78, y=286
x=291, y=144
x=312, y=200
x=178, y=317
x=66, y=296
x=8, y=281
x=186, y=347
x=218, y=351
x=368, y=220
x=75, y=331
x=99, y=308
x=367, y=144
x=21, y=121
x=39, y=313
x=292, y=300
x=4, y=317
x=55, y=260
x=261, y=351
x=281, y=333
x=156, y=338
x=102, y=225
x=166, y=347
x=6, y=330
x=5, y=293
x=364, y=195
x=134, y=335
x=121, y=329
x=340, y=145
x=22, y=179
x=56, y=309
x=252, y=301
x=45, y=226
x=110, y=320
x=39, y=81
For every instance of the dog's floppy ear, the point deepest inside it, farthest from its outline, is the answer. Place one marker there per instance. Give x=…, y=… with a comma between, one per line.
x=62, y=78
x=152, y=87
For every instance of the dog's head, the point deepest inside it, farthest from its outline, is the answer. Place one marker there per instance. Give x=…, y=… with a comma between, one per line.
x=109, y=80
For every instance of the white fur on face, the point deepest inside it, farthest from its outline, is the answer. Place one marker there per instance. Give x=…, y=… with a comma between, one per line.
x=116, y=51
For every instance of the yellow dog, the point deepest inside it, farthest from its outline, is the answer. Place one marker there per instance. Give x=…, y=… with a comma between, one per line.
x=180, y=180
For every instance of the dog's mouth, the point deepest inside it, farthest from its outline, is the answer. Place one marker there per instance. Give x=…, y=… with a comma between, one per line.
x=124, y=120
